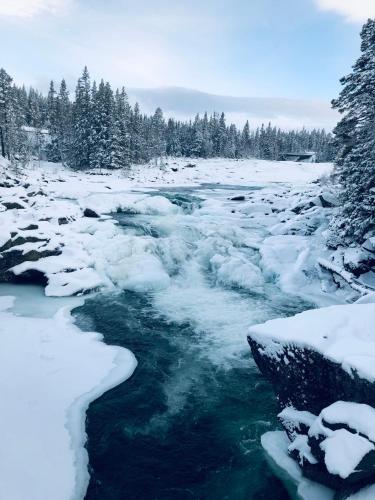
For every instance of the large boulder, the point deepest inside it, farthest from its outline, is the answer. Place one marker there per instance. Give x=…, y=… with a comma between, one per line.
x=321, y=364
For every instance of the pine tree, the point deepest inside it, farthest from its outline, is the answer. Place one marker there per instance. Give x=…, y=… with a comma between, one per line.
x=136, y=136
x=82, y=129
x=53, y=148
x=355, y=138
x=64, y=126
x=121, y=154
x=197, y=138
x=157, y=144
x=5, y=112
x=245, y=141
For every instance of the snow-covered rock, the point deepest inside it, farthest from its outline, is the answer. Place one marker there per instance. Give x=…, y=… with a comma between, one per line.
x=321, y=364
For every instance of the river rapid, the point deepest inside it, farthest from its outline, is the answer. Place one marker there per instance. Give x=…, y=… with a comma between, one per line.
x=187, y=425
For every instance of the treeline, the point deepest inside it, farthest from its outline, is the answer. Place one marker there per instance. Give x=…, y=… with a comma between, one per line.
x=99, y=128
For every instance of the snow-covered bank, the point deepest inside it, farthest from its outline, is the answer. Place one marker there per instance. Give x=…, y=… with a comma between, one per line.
x=49, y=373
x=53, y=222
x=187, y=247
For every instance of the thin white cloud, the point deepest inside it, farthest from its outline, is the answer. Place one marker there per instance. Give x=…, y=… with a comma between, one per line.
x=30, y=8
x=184, y=103
x=353, y=10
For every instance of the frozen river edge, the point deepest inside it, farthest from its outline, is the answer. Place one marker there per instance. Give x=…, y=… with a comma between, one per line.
x=68, y=196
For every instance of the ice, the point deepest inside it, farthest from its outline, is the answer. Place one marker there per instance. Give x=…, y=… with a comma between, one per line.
x=140, y=273
x=237, y=271
x=367, y=493
x=72, y=283
x=49, y=373
x=276, y=444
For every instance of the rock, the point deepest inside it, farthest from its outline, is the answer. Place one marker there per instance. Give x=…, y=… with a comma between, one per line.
x=20, y=240
x=36, y=193
x=174, y=169
x=337, y=447
x=13, y=258
x=9, y=205
x=305, y=380
x=88, y=212
x=369, y=245
x=31, y=276
x=359, y=260
x=31, y=227
x=190, y=165
x=238, y=198
x=303, y=206
x=328, y=200
x=62, y=221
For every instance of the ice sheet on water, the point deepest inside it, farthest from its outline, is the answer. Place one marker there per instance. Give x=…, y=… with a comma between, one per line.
x=49, y=373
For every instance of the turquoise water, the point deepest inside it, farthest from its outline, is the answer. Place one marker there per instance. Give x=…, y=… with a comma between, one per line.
x=187, y=425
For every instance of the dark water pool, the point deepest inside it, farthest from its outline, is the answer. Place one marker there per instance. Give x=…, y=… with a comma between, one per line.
x=181, y=427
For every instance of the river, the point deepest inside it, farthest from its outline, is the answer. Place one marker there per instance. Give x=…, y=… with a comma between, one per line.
x=187, y=425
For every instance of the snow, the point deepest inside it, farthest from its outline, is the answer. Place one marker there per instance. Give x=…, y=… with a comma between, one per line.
x=293, y=416
x=238, y=172
x=344, y=452
x=49, y=373
x=358, y=417
x=275, y=235
x=276, y=444
x=300, y=444
x=343, y=334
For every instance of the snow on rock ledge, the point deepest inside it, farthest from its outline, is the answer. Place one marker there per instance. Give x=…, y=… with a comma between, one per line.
x=341, y=334
x=322, y=362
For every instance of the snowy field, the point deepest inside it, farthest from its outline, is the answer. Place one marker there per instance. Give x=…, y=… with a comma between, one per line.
x=61, y=228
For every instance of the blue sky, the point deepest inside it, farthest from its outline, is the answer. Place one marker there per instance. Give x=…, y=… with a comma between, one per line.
x=269, y=48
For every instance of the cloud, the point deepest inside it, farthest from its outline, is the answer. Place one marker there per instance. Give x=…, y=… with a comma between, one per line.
x=30, y=8
x=355, y=11
x=184, y=103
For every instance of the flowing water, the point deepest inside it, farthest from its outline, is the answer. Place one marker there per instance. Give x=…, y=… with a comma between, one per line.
x=187, y=425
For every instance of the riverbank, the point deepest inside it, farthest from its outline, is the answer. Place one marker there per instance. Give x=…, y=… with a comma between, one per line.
x=60, y=235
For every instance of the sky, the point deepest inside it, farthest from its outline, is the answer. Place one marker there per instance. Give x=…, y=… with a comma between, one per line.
x=293, y=49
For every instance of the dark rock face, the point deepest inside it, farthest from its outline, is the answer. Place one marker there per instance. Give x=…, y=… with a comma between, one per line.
x=12, y=205
x=19, y=240
x=90, y=213
x=62, y=221
x=31, y=227
x=307, y=381
x=302, y=207
x=238, y=198
x=365, y=261
x=31, y=276
x=10, y=258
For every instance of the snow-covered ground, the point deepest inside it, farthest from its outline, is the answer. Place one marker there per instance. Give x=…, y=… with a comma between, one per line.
x=50, y=372
x=61, y=228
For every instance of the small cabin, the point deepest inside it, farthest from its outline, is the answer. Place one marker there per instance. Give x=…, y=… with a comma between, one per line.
x=309, y=157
